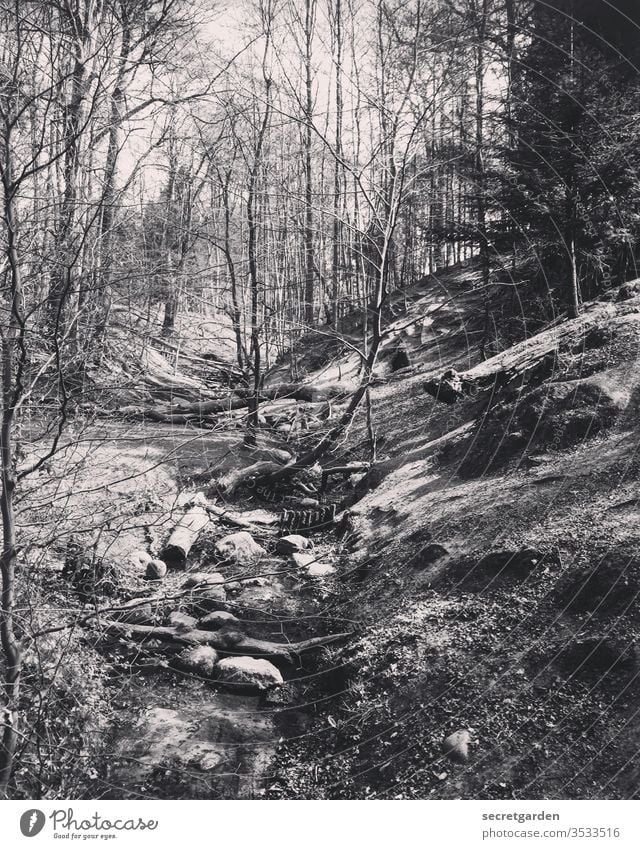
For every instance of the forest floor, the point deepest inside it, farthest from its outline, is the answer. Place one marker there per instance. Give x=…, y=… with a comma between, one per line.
x=489, y=565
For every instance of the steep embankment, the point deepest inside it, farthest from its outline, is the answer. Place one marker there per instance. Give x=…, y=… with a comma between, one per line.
x=493, y=564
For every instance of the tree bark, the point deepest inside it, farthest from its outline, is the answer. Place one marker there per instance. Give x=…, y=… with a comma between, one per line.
x=183, y=537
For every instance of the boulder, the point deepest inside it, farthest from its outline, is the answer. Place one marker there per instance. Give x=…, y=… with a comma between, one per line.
x=456, y=746
x=293, y=543
x=240, y=548
x=200, y=660
x=207, y=598
x=156, y=570
x=310, y=564
x=134, y=612
x=217, y=619
x=320, y=570
x=249, y=672
x=183, y=621
x=303, y=560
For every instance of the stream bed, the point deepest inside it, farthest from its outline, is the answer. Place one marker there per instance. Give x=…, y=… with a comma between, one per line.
x=175, y=735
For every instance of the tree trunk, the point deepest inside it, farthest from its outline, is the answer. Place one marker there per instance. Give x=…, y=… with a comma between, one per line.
x=11, y=391
x=183, y=537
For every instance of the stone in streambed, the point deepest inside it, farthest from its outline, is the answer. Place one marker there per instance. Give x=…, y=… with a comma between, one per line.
x=292, y=544
x=310, y=564
x=200, y=660
x=156, y=570
x=182, y=621
x=134, y=612
x=320, y=570
x=304, y=560
x=217, y=619
x=207, y=598
x=240, y=548
x=249, y=672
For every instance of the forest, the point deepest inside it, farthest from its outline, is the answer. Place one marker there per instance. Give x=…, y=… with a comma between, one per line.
x=318, y=342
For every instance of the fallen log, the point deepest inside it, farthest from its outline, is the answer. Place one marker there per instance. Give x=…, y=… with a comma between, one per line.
x=246, y=646
x=237, y=521
x=182, y=538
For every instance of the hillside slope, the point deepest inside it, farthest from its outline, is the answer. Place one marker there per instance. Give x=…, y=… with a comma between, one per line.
x=493, y=566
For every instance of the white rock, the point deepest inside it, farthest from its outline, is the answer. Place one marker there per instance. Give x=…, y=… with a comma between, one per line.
x=456, y=746
x=200, y=660
x=320, y=570
x=310, y=564
x=293, y=543
x=251, y=672
x=240, y=547
x=303, y=561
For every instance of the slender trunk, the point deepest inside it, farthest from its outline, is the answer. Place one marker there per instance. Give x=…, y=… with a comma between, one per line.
x=109, y=194
x=309, y=275
x=61, y=282
x=236, y=315
x=252, y=225
x=11, y=389
x=337, y=174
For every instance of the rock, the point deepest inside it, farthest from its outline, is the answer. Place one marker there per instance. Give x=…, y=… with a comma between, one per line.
x=140, y=558
x=320, y=570
x=456, y=746
x=250, y=672
x=200, y=660
x=303, y=561
x=239, y=547
x=217, y=619
x=310, y=564
x=207, y=598
x=183, y=621
x=135, y=613
x=308, y=503
x=279, y=455
x=201, y=579
x=156, y=570
x=293, y=543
